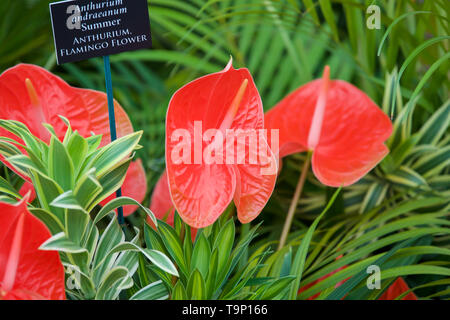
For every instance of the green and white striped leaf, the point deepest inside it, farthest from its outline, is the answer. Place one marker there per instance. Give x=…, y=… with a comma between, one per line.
x=154, y=291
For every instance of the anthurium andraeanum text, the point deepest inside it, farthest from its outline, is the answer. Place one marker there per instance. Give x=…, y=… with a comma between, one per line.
x=84, y=29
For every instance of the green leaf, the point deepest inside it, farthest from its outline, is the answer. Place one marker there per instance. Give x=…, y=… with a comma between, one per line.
x=23, y=163
x=60, y=166
x=47, y=190
x=152, y=238
x=21, y=131
x=287, y=262
x=187, y=245
x=76, y=224
x=436, y=126
x=211, y=280
x=328, y=13
x=8, y=150
x=77, y=147
x=201, y=256
x=59, y=242
x=120, y=202
x=158, y=258
x=93, y=143
x=67, y=200
x=238, y=252
x=111, y=154
x=166, y=56
x=103, y=260
x=161, y=261
x=401, y=152
x=416, y=52
x=277, y=287
x=87, y=189
x=196, y=289
x=110, y=182
x=49, y=219
x=311, y=9
x=374, y=196
x=342, y=290
x=433, y=163
x=179, y=292
x=300, y=256
x=154, y=291
x=76, y=254
x=406, y=177
x=7, y=188
x=173, y=246
x=391, y=26
x=90, y=240
x=224, y=244
x=130, y=259
x=114, y=282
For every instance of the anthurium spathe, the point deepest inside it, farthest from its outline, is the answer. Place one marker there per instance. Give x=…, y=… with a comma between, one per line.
x=27, y=273
x=201, y=117
x=34, y=96
x=340, y=124
x=161, y=204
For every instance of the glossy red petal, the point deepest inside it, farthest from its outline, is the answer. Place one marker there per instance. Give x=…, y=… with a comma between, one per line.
x=37, y=274
x=253, y=189
x=161, y=204
x=97, y=104
x=353, y=131
x=292, y=117
x=134, y=186
x=396, y=289
x=201, y=195
x=221, y=101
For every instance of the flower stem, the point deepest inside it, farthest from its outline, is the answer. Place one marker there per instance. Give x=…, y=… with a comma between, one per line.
x=294, y=201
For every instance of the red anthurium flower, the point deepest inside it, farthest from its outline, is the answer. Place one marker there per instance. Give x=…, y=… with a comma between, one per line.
x=27, y=273
x=206, y=167
x=396, y=289
x=34, y=96
x=161, y=204
x=343, y=127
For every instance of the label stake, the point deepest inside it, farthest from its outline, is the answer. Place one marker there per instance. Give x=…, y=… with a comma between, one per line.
x=112, y=123
x=83, y=29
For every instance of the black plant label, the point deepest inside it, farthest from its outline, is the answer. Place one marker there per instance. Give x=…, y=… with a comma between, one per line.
x=83, y=29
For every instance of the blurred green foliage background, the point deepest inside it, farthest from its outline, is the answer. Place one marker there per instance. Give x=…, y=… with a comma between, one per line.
x=284, y=43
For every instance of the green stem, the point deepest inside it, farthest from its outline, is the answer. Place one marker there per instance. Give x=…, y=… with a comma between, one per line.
x=294, y=201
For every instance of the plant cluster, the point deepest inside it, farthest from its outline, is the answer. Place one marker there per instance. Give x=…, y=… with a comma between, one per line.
x=362, y=165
